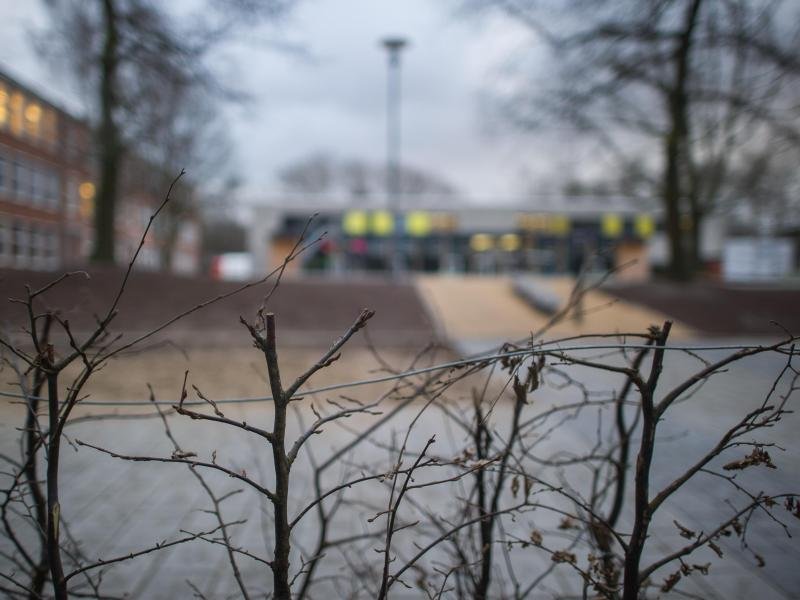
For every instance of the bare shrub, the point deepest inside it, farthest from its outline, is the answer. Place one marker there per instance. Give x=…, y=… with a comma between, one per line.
x=528, y=471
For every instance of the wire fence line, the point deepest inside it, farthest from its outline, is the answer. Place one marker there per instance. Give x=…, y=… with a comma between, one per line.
x=541, y=348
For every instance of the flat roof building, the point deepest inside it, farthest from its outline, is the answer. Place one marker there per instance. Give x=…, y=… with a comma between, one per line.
x=545, y=235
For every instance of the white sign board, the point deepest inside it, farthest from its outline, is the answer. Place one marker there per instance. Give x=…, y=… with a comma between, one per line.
x=757, y=259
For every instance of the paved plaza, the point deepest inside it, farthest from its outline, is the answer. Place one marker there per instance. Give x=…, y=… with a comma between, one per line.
x=115, y=507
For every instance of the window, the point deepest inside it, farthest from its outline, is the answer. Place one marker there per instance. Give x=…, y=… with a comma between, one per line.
x=19, y=244
x=3, y=177
x=55, y=189
x=33, y=246
x=35, y=184
x=51, y=249
x=73, y=204
x=25, y=180
x=188, y=233
x=45, y=187
x=17, y=175
x=17, y=104
x=50, y=126
x=3, y=243
x=33, y=119
x=3, y=106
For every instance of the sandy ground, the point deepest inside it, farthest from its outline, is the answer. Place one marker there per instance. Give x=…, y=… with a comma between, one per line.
x=232, y=372
x=475, y=307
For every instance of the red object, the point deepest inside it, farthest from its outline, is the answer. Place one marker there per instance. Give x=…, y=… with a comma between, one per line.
x=327, y=247
x=214, y=269
x=358, y=246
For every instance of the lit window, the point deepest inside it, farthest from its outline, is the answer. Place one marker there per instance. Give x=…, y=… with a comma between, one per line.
x=3, y=106
x=17, y=103
x=49, y=126
x=33, y=118
x=86, y=190
x=87, y=207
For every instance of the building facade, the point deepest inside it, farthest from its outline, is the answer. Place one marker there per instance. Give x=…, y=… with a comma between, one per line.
x=47, y=193
x=45, y=183
x=546, y=235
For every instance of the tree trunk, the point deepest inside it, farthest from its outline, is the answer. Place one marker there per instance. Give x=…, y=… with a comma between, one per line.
x=53, y=504
x=671, y=197
x=696, y=237
x=678, y=106
x=42, y=568
x=280, y=563
x=109, y=143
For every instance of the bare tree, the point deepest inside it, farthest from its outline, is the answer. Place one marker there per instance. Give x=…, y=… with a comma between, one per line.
x=187, y=130
x=699, y=83
x=321, y=173
x=126, y=55
x=768, y=184
x=311, y=175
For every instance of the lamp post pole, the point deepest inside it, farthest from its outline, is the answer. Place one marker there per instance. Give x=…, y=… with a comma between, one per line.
x=394, y=45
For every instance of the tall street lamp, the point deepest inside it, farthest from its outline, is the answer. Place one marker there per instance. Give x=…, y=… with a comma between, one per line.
x=394, y=45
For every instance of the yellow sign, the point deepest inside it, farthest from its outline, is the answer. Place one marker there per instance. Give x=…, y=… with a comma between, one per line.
x=644, y=226
x=533, y=222
x=552, y=224
x=558, y=224
x=382, y=223
x=481, y=242
x=612, y=226
x=444, y=222
x=418, y=223
x=509, y=242
x=355, y=222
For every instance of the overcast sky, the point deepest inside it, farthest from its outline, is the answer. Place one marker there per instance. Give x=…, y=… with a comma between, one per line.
x=331, y=97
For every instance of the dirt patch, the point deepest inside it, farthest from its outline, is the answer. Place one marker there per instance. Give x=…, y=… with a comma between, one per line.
x=310, y=311
x=718, y=309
